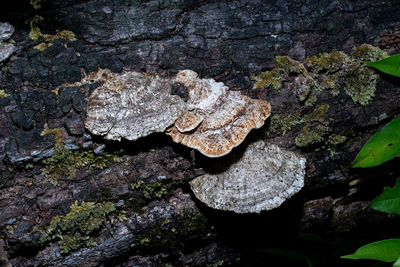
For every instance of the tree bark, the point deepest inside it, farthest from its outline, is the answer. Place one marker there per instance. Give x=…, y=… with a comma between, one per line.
x=154, y=219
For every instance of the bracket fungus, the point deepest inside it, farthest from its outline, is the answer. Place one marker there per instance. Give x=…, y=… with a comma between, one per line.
x=217, y=119
x=262, y=178
x=130, y=105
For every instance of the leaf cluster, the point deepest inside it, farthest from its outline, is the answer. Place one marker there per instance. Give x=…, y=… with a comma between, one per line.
x=380, y=148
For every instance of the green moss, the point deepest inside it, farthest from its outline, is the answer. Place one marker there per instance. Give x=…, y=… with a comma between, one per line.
x=308, y=96
x=10, y=229
x=146, y=192
x=156, y=190
x=289, y=65
x=327, y=61
x=152, y=190
x=35, y=4
x=65, y=163
x=284, y=66
x=280, y=124
x=331, y=82
x=63, y=34
x=74, y=230
x=60, y=165
x=311, y=135
x=171, y=233
x=29, y=166
x=325, y=73
x=335, y=71
x=358, y=81
x=317, y=114
x=311, y=98
x=35, y=34
x=42, y=46
x=55, y=131
x=367, y=52
x=360, y=84
x=3, y=94
x=336, y=139
x=269, y=78
x=218, y=263
x=144, y=241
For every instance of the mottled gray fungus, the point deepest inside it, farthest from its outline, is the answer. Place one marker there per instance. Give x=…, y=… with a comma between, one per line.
x=262, y=178
x=6, y=49
x=130, y=105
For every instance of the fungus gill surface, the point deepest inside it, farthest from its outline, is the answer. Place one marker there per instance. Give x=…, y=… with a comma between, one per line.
x=130, y=105
x=217, y=119
x=262, y=178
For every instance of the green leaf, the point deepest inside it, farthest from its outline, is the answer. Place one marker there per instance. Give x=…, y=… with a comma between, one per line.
x=389, y=65
x=387, y=250
x=381, y=147
x=397, y=263
x=389, y=201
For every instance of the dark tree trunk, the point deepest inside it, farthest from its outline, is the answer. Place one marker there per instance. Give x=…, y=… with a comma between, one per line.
x=129, y=203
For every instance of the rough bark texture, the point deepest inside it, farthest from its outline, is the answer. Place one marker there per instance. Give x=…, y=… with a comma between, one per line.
x=143, y=213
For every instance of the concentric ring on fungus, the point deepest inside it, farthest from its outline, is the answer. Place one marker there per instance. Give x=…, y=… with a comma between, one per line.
x=130, y=105
x=217, y=119
x=261, y=178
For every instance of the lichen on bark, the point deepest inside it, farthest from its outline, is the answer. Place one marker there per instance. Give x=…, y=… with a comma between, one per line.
x=74, y=230
x=64, y=163
x=326, y=71
x=36, y=34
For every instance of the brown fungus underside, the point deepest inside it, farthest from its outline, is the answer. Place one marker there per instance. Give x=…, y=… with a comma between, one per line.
x=217, y=119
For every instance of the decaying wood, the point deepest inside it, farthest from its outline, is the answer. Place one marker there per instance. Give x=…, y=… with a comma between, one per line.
x=70, y=198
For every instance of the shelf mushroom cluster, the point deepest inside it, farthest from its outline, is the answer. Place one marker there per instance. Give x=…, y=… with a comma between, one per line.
x=214, y=120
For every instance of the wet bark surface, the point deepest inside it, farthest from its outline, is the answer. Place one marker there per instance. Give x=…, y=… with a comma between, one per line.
x=155, y=219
